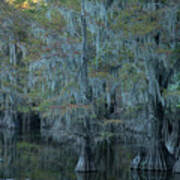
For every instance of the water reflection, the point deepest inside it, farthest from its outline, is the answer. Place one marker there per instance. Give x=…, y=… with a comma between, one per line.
x=176, y=176
x=86, y=176
x=145, y=175
x=25, y=158
x=7, y=152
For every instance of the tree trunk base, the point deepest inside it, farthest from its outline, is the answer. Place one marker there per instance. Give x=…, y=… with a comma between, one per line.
x=153, y=159
x=85, y=165
x=86, y=160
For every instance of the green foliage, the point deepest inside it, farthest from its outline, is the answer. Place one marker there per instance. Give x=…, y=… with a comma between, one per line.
x=28, y=147
x=134, y=21
x=72, y=4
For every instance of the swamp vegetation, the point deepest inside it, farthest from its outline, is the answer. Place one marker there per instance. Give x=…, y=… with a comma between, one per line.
x=90, y=73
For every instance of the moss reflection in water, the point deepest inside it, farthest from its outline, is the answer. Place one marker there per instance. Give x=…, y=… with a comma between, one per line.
x=45, y=161
x=36, y=160
x=136, y=175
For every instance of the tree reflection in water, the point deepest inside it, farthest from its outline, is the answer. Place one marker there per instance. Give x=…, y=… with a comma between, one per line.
x=7, y=152
x=86, y=176
x=23, y=158
x=147, y=175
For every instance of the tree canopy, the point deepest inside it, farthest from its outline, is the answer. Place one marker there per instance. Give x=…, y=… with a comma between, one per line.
x=103, y=60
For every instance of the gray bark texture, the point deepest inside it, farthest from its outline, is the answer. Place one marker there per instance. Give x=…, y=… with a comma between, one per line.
x=86, y=161
x=156, y=157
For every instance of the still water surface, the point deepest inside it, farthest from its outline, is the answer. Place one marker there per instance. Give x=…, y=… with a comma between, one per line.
x=29, y=158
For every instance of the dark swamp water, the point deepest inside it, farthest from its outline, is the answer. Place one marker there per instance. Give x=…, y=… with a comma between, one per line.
x=28, y=157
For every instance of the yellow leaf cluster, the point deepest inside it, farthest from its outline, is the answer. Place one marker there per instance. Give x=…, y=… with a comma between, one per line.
x=25, y=4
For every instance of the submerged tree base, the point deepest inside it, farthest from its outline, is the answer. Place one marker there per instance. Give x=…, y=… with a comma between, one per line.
x=153, y=159
x=84, y=165
x=86, y=161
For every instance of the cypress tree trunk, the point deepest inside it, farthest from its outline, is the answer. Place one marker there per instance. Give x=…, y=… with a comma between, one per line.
x=156, y=157
x=8, y=151
x=7, y=121
x=86, y=161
